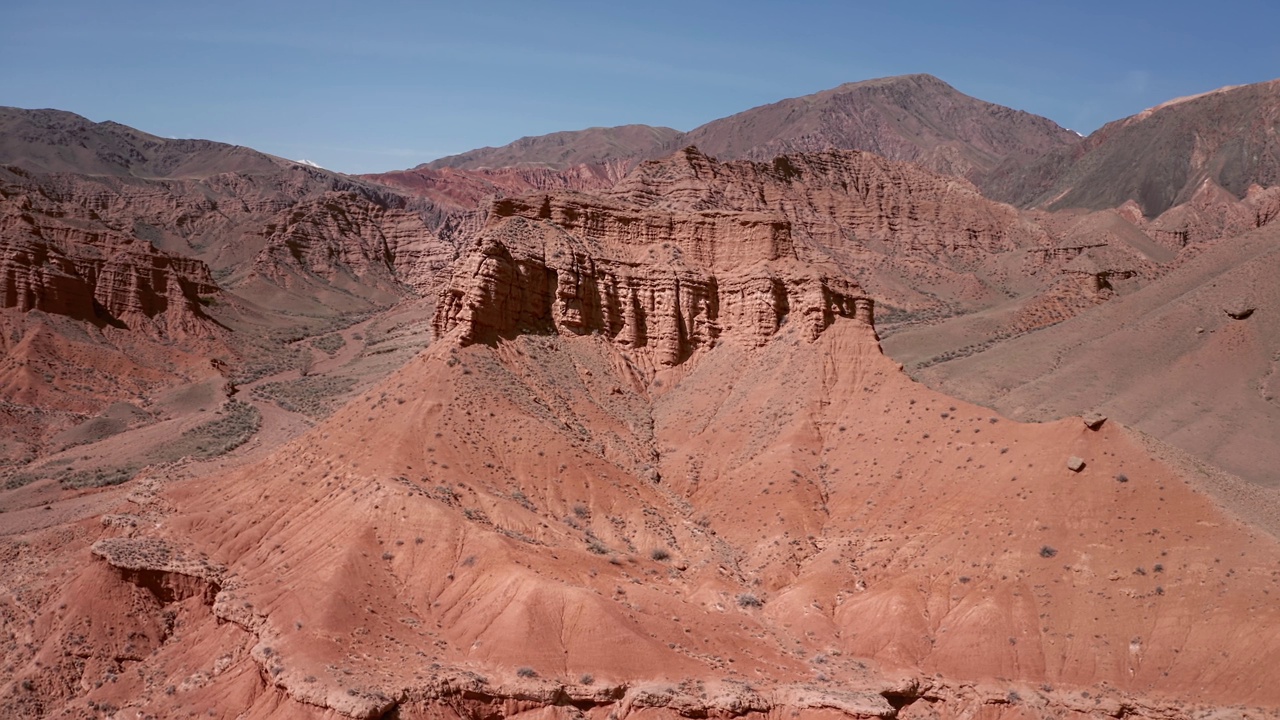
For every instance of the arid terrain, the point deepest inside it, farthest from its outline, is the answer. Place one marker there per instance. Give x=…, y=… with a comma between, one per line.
x=881, y=402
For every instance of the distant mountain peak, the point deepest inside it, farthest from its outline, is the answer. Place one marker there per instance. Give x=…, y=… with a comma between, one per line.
x=1161, y=157
x=916, y=118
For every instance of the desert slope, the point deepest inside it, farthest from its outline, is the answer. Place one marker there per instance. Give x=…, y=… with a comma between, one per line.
x=767, y=514
x=1125, y=357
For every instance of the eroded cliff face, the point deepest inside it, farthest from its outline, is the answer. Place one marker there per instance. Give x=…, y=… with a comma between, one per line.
x=686, y=250
x=344, y=236
x=664, y=285
x=461, y=189
x=55, y=262
x=840, y=198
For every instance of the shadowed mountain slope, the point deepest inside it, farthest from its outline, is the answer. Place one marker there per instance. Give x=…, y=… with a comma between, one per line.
x=50, y=141
x=1160, y=157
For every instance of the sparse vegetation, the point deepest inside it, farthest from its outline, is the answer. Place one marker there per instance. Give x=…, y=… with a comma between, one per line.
x=316, y=396
x=749, y=600
x=524, y=501
x=104, y=476
x=98, y=477
x=329, y=344
x=660, y=554
x=1047, y=551
x=527, y=672
x=238, y=423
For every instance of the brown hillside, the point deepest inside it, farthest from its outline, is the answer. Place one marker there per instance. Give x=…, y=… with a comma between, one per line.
x=912, y=118
x=561, y=150
x=779, y=522
x=1168, y=359
x=1160, y=157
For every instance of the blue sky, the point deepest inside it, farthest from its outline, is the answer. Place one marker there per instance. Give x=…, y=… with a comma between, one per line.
x=364, y=87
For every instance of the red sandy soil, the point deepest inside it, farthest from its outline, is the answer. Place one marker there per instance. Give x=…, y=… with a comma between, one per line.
x=652, y=459
x=1167, y=359
x=548, y=512
x=484, y=529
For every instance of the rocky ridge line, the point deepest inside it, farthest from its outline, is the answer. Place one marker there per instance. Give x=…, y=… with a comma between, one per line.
x=673, y=283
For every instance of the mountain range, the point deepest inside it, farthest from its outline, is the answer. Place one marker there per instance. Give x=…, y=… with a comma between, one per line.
x=879, y=402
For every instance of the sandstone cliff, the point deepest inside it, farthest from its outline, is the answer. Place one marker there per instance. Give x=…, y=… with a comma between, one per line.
x=669, y=284
x=57, y=262
x=347, y=240
x=713, y=234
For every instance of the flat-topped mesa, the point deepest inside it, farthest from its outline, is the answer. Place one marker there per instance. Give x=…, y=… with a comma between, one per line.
x=663, y=283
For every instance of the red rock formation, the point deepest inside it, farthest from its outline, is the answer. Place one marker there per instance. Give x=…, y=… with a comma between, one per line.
x=654, y=463
x=50, y=261
x=841, y=199
x=668, y=283
x=794, y=528
x=344, y=238
x=459, y=189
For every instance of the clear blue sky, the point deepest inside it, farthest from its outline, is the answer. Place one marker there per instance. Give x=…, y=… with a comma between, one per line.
x=364, y=87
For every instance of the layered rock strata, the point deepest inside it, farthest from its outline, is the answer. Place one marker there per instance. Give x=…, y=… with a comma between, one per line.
x=58, y=266
x=664, y=282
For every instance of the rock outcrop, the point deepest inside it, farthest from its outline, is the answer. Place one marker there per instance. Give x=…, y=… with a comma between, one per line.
x=667, y=283
x=346, y=239
x=685, y=250
x=842, y=200
x=52, y=263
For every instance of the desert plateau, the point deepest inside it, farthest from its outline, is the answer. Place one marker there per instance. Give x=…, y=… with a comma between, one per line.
x=879, y=402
